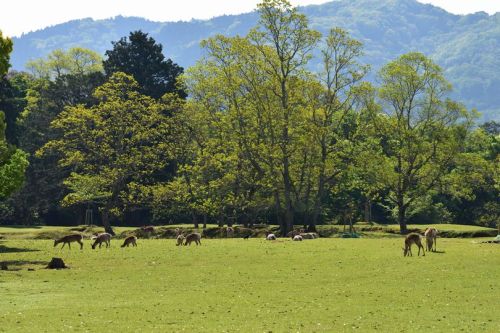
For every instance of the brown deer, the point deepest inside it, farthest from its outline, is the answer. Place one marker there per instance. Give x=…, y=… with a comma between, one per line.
x=130, y=240
x=180, y=239
x=148, y=228
x=409, y=241
x=430, y=238
x=194, y=237
x=102, y=238
x=69, y=239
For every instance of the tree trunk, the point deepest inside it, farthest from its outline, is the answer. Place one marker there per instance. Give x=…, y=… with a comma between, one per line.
x=204, y=221
x=277, y=206
x=105, y=222
x=368, y=210
x=288, y=201
x=402, y=219
x=195, y=220
x=221, y=220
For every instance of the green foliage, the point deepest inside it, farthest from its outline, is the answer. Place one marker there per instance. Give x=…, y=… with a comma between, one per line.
x=13, y=162
x=422, y=132
x=141, y=57
x=75, y=61
x=465, y=46
x=5, y=50
x=121, y=140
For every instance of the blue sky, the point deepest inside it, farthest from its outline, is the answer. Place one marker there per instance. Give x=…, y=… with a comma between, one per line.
x=21, y=16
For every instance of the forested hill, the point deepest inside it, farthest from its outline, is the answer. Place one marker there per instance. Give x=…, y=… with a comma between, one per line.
x=468, y=47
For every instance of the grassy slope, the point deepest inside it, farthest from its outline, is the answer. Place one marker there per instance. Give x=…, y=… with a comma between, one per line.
x=232, y=285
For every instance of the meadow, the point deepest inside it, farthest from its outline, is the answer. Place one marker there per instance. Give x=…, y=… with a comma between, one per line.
x=236, y=285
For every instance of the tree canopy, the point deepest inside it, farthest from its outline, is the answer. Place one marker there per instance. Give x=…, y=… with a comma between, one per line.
x=140, y=56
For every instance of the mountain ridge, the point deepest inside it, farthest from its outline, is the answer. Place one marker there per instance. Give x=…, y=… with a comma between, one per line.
x=466, y=46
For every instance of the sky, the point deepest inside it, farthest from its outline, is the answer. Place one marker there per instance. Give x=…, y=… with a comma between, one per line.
x=22, y=16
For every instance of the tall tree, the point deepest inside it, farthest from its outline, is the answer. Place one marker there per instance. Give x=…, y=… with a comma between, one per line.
x=5, y=50
x=63, y=79
x=141, y=57
x=113, y=146
x=75, y=61
x=13, y=162
x=422, y=132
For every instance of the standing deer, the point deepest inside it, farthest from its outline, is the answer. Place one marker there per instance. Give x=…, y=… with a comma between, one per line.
x=409, y=241
x=69, y=239
x=130, y=240
x=194, y=237
x=430, y=238
x=102, y=238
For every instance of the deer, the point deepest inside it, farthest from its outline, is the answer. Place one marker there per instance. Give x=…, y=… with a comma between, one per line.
x=180, y=239
x=69, y=239
x=102, y=238
x=270, y=236
x=297, y=238
x=148, y=228
x=409, y=241
x=130, y=240
x=194, y=237
x=430, y=238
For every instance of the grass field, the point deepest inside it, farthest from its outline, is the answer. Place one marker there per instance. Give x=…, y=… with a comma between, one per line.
x=235, y=285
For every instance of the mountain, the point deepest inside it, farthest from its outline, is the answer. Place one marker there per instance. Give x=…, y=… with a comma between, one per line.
x=467, y=47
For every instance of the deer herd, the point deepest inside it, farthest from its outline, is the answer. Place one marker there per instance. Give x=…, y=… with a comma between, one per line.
x=430, y=236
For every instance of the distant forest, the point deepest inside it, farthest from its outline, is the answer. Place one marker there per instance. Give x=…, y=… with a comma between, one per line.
x=466, y=47
x=288, y=123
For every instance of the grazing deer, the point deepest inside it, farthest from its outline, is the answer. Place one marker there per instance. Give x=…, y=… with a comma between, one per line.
x=309, y=235
x=430, y=238
x=270, y=236
x=297, y=238
x=409, y=241
x=180, y=239
x=69, y=239
x=194, y=237
x=130, y=240
x=148, y=228
x=102, y=238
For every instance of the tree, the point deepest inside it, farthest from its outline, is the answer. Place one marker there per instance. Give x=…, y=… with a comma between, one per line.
x=421, y=131
x=113, y=146
x=76, y=61
x=46, y=96
x=5, y=50
x=141, y=57
x=13, y=162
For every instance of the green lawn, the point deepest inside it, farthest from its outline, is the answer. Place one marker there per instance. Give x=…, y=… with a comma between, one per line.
x=231, y=285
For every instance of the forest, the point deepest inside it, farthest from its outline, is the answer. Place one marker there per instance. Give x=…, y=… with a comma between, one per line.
x=248, y=135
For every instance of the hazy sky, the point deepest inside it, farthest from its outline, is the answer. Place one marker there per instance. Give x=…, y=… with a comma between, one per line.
x=18, y=16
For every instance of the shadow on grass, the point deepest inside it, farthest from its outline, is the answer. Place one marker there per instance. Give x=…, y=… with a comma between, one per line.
x=6, y=249
x=16, y=265
x=438, y=252
x=22, y=226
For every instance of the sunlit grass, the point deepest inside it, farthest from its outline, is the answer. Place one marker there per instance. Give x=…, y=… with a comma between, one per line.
x=325, y=285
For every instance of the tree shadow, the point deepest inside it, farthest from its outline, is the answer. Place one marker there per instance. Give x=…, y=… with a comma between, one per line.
x=16, y=265
x=22, y=226
x=6, y=249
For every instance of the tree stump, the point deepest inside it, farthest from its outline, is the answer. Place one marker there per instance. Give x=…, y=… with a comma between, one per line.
x=3, y=266
x=56, y=263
